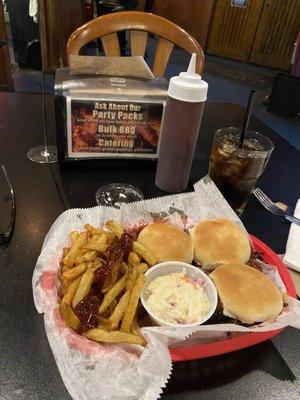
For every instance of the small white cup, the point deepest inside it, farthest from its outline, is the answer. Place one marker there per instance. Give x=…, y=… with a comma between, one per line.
x=168, y=267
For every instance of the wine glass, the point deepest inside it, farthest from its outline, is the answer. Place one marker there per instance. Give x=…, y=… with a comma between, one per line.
x=44, y=154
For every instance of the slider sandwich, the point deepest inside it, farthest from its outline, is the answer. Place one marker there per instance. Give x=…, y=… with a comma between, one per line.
x=219, y=241
x=246, y=294
x=167, y=242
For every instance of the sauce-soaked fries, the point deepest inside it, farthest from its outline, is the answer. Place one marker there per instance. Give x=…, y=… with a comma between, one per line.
x=146, y=254
x=102, y=275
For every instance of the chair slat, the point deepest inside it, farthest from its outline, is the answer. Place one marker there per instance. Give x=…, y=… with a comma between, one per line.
x=163, y=52
x=111, y=44
x=138, y=42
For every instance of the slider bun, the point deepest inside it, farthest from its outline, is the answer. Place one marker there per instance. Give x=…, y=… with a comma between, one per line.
x=167, y=242
x=219, y=241
x=246, y=293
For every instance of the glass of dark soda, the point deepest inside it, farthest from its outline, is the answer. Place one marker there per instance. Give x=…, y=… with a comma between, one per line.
x=236, y=170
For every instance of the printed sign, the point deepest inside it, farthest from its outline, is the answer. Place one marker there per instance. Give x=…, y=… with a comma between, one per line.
x=114, y=129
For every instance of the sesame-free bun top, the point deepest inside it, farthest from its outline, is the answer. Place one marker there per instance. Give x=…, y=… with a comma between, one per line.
x=246, y=293
x=167, y=242
x=219, y=241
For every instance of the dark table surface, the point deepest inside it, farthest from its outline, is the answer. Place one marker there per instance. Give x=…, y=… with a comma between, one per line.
x=270, y=370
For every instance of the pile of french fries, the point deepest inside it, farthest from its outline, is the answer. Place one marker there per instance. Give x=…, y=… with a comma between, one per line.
x=116, y=317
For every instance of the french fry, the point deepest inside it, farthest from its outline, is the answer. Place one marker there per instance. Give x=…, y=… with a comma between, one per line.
x=133, y=303
x=123, y=268
x=105, y=314
x=96, y=233
x=112, y=294
x=101, y=247
x=133, y=258
x=69, y=316
x=65, y=268
x=131, y=279
x=128, y=279
x=112, y=306
x=74, y=236
x=64, y=287
x=146, y=254
x=115, y=228
x=74, y=272
x=75, y=249
x=65, y=251
x=100, y=335
x=70, y=292
x=91, y=266
x=104, y=323
x=92, y=230
x=142, y=268
x=135, y=327
x=83, y=287
x=119, y=311
x=110, y=237
x=115, y=272
x=135, y=272
x=95, y=238
x=97, y=262
x=102, y=238
x=88, y=256
x=111, y=279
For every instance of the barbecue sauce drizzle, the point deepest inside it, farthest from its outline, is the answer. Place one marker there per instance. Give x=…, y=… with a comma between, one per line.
x=118, y=249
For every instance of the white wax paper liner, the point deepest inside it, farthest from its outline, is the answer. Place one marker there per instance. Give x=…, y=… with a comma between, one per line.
x=94, y=371
x=211, y=203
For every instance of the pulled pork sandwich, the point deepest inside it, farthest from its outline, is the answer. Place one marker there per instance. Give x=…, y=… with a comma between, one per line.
x=167, y=242
x=219, y=241
x=246, y=294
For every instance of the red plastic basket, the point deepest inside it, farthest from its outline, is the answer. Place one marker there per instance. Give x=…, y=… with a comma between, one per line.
x=244, y=340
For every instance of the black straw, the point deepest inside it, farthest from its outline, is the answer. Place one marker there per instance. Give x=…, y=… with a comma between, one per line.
x=246, y=118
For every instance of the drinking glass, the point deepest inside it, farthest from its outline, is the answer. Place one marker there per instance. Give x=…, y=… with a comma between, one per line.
x=236, y=170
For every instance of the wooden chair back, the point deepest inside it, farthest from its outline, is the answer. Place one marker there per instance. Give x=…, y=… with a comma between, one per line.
x=139, y=24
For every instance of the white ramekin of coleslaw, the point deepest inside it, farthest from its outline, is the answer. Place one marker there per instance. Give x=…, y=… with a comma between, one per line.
x=178, y=294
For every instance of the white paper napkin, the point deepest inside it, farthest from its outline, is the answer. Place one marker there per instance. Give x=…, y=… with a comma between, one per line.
x=134, y=66
x=292, y=254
